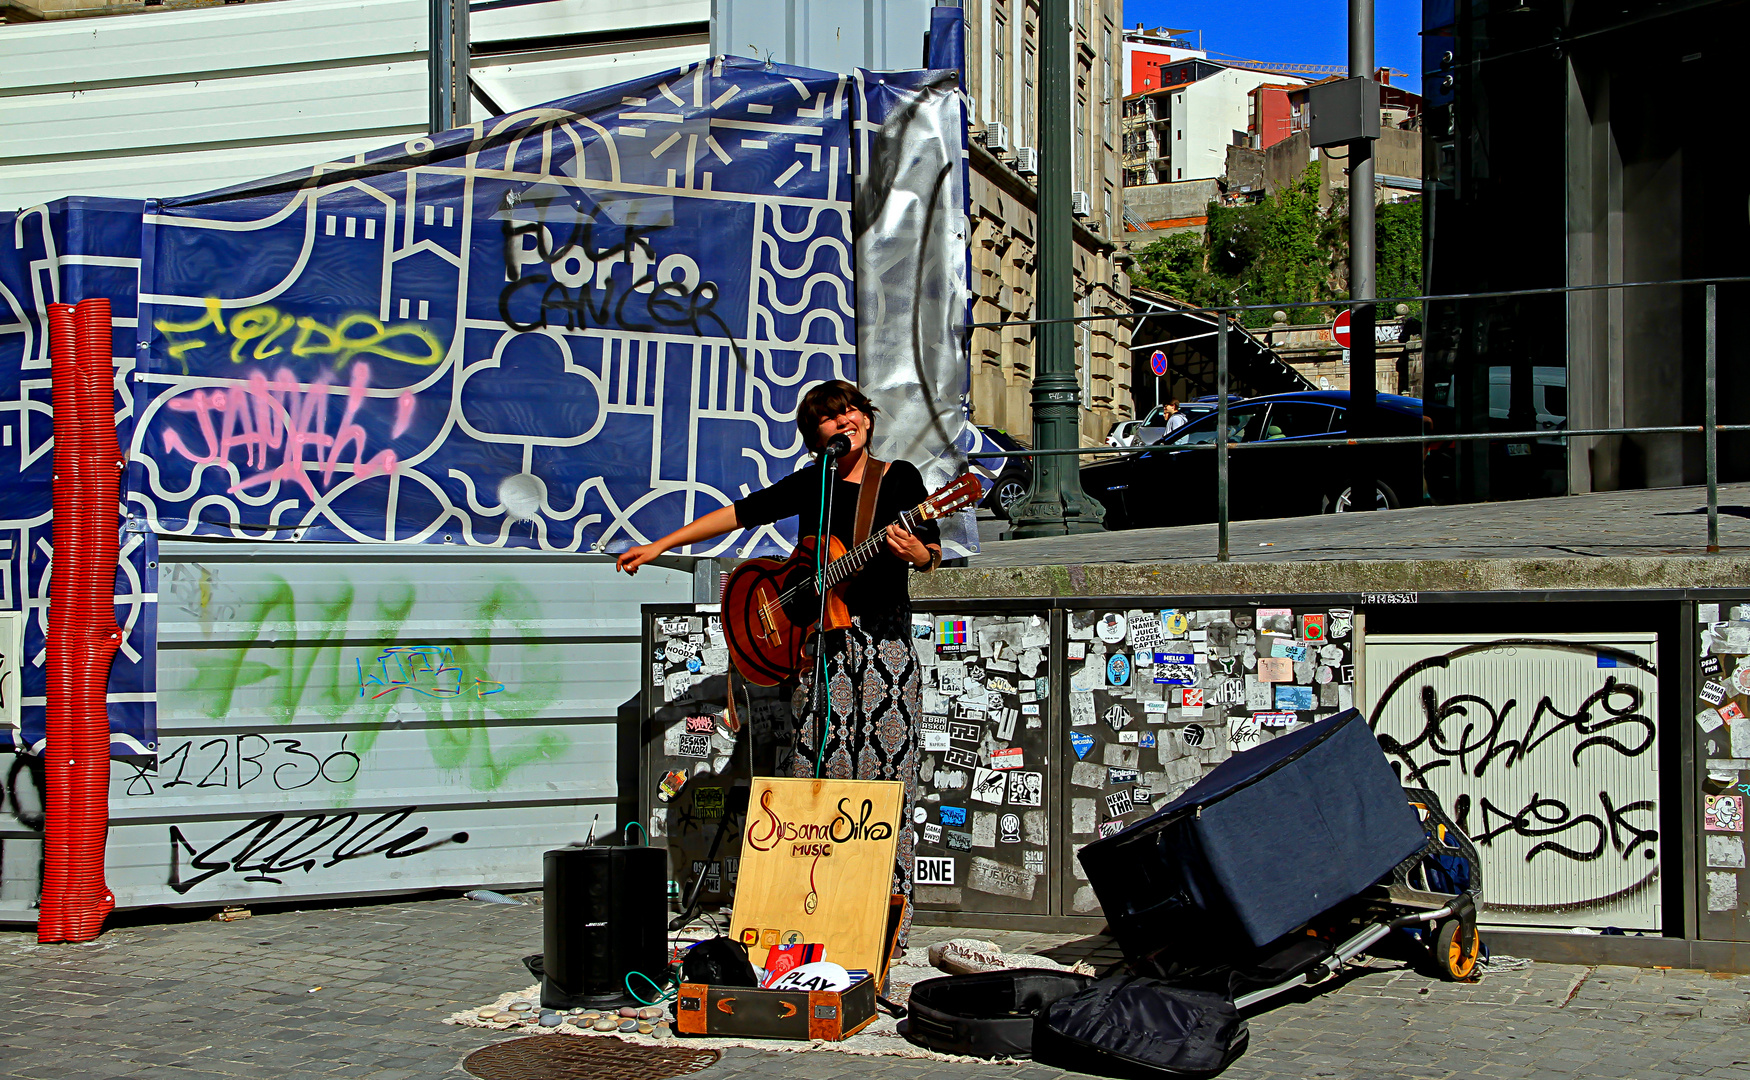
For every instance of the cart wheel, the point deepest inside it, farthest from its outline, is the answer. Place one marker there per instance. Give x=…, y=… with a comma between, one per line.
x=1456, y=953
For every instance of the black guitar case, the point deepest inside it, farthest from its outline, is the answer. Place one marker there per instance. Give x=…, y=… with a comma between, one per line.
x=988, y=1015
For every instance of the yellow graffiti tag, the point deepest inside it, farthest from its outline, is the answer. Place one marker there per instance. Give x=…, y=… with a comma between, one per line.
x=354, y=335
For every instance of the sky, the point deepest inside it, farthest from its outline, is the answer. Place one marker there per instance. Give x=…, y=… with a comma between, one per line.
x=1290, y=31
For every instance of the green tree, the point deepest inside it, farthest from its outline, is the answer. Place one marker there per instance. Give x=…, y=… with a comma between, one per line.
x=1397, y=236
x=1282, y=250
x=1178, y=266
x=1289, y=251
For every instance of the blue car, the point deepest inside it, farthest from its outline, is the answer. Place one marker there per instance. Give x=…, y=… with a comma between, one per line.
x=1173, y=484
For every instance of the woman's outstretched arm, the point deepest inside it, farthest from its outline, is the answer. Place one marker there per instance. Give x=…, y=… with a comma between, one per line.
x=712, y=525
x=700, y=529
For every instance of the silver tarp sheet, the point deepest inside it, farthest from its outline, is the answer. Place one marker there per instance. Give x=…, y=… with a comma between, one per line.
x=910, y=225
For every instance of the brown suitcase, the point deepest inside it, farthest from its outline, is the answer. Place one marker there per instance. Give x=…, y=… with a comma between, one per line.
x=749, y=1012
x=775, y=1014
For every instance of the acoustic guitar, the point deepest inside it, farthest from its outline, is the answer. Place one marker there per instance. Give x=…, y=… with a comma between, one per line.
x=770, y=606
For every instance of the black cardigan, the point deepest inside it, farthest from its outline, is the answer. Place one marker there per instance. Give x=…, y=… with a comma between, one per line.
x=879, y=594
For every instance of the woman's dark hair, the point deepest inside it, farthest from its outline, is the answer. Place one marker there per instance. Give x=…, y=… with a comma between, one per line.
x=829, y=399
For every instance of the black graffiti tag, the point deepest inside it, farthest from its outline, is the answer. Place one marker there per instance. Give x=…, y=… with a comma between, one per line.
x=670, y=304
x=1472, y=733
x=1546, y=819
x=287, y=766
x=26, y=809
x=274, y=845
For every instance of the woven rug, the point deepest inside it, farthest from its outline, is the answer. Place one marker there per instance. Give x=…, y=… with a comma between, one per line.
x=881, y=1038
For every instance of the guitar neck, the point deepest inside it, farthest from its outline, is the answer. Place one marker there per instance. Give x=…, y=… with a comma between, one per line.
x=840, y=569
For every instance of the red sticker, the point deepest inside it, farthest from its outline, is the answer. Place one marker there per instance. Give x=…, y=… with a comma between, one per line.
x=1312, y=627
x=1193, y=698
x=1007, y=759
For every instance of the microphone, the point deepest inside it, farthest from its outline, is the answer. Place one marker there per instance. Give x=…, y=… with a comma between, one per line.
x=836, y=447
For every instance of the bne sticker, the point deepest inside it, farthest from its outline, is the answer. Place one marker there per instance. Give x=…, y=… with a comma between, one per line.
x=927, y=870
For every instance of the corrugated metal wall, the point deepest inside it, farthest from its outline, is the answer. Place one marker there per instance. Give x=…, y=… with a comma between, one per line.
x=168, y=104
x=352, y=719
x=530, y=53
x=831, y=35
x=520, y=78
x=173, y=103
x=1545, y=749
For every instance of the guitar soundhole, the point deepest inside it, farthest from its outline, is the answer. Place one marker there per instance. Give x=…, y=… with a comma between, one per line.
x=803, y=607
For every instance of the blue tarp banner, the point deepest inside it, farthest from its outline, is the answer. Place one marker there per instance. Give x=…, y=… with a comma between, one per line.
x=62, y=253
x=572, y=328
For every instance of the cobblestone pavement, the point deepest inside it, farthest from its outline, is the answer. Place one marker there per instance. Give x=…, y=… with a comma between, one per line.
x=1662, y=521
x=359, y=992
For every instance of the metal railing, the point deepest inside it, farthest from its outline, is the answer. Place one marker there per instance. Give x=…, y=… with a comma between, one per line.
x=1709, y=428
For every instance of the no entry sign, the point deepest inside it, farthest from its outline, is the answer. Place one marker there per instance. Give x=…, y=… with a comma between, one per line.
x=1340, y=328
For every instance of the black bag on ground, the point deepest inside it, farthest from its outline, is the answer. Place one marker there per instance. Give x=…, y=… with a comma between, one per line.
x=989, y=1014
x=718, y=961
x=1137, y=1028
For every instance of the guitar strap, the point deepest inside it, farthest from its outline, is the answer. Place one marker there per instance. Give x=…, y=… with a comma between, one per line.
x=867, y=493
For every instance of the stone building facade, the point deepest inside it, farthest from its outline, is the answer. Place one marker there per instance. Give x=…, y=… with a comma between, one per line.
x=1002, y=53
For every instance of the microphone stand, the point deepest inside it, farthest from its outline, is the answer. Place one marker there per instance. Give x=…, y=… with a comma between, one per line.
x=735, y=804
x=822, y=542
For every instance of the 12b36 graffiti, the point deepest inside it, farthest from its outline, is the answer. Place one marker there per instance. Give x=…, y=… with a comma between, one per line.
x=234, y=762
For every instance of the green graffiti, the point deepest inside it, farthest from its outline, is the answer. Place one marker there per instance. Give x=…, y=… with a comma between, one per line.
x=330, y=655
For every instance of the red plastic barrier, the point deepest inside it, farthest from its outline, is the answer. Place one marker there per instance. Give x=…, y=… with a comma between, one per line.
x=82, y=633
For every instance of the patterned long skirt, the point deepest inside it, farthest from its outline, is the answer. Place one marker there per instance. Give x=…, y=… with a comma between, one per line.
x=876, y=695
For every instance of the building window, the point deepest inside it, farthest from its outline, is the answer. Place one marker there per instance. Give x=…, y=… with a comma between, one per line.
x=1079, y=148
x=1111, y=51
x=998, y=94
x=1106, y=124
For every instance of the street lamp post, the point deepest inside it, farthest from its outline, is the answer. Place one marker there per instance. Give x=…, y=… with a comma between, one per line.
x=1363, y=384
x=1055, y=503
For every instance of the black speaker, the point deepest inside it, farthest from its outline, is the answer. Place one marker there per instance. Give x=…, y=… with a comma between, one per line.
x=605, y=910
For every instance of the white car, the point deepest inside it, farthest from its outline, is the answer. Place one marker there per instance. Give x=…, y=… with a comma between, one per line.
x=1152, y=428
x=1123, y=433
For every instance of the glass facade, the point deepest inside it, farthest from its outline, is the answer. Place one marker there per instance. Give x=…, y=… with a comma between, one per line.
x=1571, y=144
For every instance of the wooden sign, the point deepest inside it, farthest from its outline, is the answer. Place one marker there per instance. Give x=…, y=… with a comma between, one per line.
x=817, y=867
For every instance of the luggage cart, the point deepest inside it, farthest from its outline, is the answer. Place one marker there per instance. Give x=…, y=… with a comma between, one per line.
x=1286, y=862
x=1432, y=895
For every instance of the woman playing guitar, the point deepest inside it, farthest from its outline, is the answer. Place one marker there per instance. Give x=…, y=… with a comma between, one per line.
x=875, y=686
